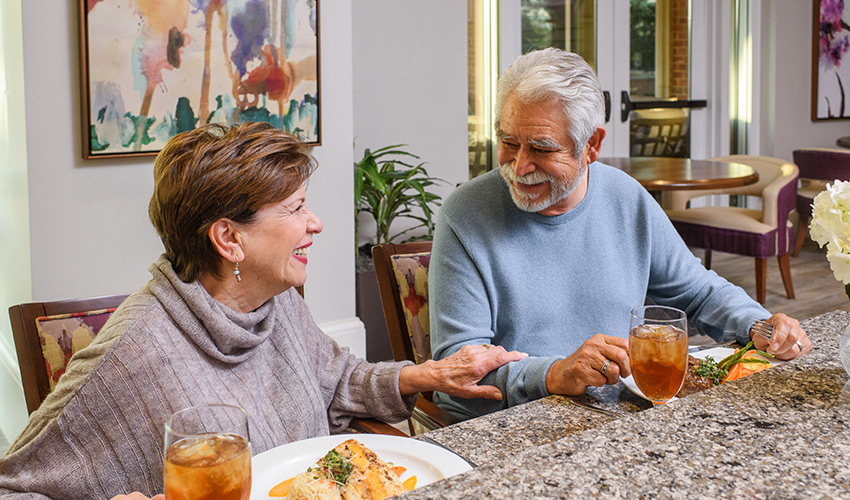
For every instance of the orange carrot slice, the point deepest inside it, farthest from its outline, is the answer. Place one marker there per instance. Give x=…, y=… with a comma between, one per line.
x=740, y=370
x=399, y=470
x=281, y=489
x=409, y=483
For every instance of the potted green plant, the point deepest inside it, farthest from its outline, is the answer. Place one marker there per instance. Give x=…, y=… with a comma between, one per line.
x=389, y=187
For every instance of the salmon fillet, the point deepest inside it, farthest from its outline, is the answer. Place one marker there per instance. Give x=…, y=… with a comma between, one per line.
x=371, y=478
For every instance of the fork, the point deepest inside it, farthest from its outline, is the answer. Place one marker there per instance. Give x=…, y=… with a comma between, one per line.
x=763, y=328
x=427, y=439
x=578, y=402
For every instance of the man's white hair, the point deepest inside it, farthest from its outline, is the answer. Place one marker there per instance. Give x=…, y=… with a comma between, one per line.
x=564, y=76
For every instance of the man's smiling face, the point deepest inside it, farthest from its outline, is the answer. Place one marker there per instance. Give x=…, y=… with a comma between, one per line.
x=537, y=159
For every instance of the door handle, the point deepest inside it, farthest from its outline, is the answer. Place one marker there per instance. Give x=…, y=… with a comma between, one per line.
x=627, y=105
x=607, y=98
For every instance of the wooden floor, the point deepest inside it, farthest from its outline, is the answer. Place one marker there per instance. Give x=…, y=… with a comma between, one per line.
x=816, y=289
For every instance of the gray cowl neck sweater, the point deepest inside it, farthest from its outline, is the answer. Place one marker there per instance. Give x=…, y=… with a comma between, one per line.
x=170, y=346
x=222, y=333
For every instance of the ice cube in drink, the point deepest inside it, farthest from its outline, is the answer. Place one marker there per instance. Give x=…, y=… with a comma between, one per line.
x=207, y=468
x=658, y=355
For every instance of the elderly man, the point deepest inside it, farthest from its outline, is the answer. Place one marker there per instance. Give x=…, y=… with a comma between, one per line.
x=549, y=254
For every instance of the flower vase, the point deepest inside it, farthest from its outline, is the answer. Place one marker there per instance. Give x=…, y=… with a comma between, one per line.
x=844, y=349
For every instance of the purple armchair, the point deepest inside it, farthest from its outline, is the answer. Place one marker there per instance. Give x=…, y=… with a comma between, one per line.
x=743, y=231
x=817, y=167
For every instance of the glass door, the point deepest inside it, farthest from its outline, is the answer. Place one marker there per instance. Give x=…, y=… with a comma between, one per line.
x=657, y=60
x=657, y=105
x=641, y=50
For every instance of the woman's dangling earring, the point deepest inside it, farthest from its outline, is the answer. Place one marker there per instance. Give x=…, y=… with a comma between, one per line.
x=237, y=273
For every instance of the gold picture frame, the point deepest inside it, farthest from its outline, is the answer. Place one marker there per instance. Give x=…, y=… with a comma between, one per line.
x=151, y=70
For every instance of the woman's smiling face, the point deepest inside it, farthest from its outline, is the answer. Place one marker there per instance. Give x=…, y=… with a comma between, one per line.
x=276, y=245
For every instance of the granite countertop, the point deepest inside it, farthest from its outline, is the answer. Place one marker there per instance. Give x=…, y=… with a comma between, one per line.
x=780, y=433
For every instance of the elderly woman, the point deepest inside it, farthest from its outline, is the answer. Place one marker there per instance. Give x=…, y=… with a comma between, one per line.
x=219, y=322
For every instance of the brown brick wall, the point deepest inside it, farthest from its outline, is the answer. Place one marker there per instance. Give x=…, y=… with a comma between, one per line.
x=680, y=51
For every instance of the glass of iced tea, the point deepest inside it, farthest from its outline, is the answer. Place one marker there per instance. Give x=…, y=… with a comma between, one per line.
x=658, y=351
x=207, y=454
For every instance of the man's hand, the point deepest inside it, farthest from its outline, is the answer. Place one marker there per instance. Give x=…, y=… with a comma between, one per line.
x=789, y=340
x=571, y=376
x=458, y=374
x=137, y=496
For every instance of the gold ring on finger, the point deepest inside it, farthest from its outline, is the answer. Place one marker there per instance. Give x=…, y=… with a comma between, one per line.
x=605, y=366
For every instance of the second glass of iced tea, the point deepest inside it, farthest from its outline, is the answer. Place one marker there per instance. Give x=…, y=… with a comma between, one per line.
x=658, y=351
x=207, y=454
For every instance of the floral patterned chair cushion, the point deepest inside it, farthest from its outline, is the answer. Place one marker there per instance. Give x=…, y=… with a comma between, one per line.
x=411, y=274
x=63, y=335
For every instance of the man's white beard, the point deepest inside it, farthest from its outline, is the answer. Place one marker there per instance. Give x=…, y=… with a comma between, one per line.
x=558, y=190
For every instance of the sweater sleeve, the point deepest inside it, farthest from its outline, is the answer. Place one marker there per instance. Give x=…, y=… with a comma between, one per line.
x=352, y=387
x=16, y=495
x=677, y=278
x=89, y=439
x=461, y=314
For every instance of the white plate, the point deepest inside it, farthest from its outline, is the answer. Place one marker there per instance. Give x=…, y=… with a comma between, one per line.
x=717, y=353
x=427, y=462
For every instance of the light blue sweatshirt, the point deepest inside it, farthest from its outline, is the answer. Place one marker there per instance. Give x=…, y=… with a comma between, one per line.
x=545, y=284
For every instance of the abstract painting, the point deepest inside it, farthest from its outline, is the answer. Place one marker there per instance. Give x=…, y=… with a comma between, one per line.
x=830, y=62
x=155, y=68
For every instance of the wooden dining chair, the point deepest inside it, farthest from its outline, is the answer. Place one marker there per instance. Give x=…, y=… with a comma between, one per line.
x=659, y=137
x=47, y=334
x=402, y=272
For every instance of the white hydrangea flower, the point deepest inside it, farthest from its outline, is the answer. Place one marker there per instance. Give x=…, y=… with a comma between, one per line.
x=830, y=226
x=839, y=262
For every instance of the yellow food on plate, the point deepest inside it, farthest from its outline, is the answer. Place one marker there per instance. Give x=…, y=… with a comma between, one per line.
x=351, y=471
x=409, y=483
x=306, y=486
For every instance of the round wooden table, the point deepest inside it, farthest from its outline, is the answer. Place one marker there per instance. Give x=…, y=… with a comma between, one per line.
x=671, y=174
x=844, y=142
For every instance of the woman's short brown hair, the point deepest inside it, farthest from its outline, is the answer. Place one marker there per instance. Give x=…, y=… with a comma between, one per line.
x=215, y=172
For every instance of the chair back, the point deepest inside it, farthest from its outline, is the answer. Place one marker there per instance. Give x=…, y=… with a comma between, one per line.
x=823, y=163
x=777, y=187
x=47, y=334
x=402, y=272
x=659, y=137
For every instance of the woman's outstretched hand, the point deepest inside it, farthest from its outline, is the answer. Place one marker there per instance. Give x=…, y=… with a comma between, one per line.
x=458, y=374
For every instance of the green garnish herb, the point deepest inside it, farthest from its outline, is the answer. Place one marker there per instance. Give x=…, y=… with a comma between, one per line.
x=711, y=370
x=337, y=467
x=717, y=371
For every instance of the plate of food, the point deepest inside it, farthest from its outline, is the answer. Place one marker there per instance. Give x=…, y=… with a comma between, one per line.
x=375, y=466
x=705, y=369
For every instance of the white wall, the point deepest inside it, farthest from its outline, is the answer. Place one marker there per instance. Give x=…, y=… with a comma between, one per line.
x=410, y=73
x=90, y=234
x=787, y=83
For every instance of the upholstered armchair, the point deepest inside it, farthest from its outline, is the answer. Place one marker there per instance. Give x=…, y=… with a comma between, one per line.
x=817, y=167
x=759, y=233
